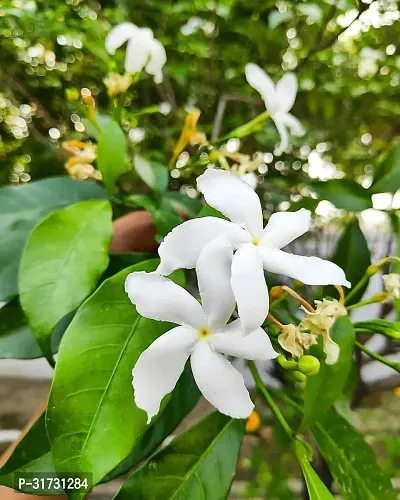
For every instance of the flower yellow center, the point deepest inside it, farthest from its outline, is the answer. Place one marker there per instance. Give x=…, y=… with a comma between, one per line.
x=256, y=242
x=204, y=333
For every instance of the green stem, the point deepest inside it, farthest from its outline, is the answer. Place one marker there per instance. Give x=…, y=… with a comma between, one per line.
x=268, y=399
x=372, y=300
x=359, y=286
x=395, y=365
x=244, y=129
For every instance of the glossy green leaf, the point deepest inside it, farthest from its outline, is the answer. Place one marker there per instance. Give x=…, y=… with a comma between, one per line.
x=323, y=389
x=111, y=151
x=32, y=454
x=353, y=255
x=382, y=326
x=63, y=259
x=200, y=463
x=343, y=193
x=351, y=460
x=387, y=172
x=315, y=487
x=153, y=174
x=92, y=421
x=182, y=401
x=20, y=210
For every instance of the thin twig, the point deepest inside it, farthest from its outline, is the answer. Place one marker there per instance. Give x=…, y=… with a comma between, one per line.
x=223, y=101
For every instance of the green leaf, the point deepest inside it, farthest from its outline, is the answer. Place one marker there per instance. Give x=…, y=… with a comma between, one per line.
x=183, y=399
x=31, y=455
x=63, y=259
x=305, y=202
x=164, y=216
x=387, y=172
x=353, y=256
x=315, y=487
x=382, y=326
x=153, y=174
x=208, y=211
x=323, y=389
x=21, y=208
x=111, y=150
x=17, y=340
x=351, y=460
x=91, y=130
x=200, y=463
x=182, y=203
x=165, y=220
x=92, y=421
x=119, y=261
x=343, y=193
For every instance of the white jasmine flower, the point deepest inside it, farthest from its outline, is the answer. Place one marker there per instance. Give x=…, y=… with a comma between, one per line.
x=279, y=100
x=256, y=248
x=391, y=283
x=321, y=321
x=143, y=50
x=203, y=335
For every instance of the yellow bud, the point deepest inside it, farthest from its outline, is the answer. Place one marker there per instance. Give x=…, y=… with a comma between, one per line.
x=308, y=365
x=372, y=269
x=299, y=377
x=286, y=364
x=253, y=422
x=276, y=292
x=381, y=296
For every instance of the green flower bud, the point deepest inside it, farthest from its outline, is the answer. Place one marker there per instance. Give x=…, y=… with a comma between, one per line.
x=286, y=364
x=298, y=376
x=372, y=269
x=308, y=365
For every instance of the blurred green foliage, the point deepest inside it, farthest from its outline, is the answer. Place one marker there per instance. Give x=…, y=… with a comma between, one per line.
x=348, y=98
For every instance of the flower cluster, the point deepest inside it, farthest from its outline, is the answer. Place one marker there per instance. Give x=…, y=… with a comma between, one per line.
x=229, y=258
x=296, y=339
x=79, y=165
